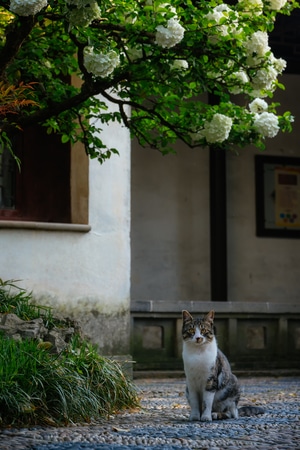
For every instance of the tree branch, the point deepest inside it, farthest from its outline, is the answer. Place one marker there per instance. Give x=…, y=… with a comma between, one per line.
x=148, y=111
x=54, y=109
x=16, y=33
x=102, y=25
x=89, y=89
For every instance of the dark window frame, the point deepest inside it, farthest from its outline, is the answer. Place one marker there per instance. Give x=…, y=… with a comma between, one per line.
x=42, y=186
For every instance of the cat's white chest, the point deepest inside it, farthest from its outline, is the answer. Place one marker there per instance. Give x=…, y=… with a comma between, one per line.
x=198, y=361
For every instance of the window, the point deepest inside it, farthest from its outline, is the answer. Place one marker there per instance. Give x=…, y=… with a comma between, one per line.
x=7, y=180
x=52, y=185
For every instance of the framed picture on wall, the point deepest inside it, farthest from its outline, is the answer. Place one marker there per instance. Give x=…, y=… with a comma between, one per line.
x=277, y=185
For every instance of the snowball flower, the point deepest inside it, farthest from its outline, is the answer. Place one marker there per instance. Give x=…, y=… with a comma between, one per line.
x=134, y=53
x=220, y=12
x=257, y=46
x=218, y=129
x=276, y=5
x=180, y=64
x=266, y=124
x=252, y=6
x=240, y=79
x=241, y=76
x=258, y=106
x=100, y=64
x=223, y=7
x=278, y=63
x=265, y=78
x=166, y=6
x=27, y=7
x=84, y=13
x=170, y=35
x=214, y=16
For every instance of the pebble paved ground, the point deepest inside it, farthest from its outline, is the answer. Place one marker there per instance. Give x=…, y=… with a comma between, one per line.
x=162, y=423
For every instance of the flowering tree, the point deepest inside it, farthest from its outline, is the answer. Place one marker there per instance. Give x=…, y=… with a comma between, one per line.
x=157, y=58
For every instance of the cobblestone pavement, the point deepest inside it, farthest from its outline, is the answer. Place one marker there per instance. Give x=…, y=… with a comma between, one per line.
x=162, y=423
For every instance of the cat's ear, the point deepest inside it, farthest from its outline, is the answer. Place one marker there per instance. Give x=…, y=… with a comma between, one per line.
x=186, y=315
x=210, y=316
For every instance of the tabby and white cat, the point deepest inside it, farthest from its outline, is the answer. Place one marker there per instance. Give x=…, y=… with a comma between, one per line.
x=213, y=392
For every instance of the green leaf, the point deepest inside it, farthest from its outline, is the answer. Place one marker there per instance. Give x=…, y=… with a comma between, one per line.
x=65, y=138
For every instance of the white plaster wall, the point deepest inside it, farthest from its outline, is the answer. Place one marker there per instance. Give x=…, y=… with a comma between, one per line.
x=261, y=268
x=84, y=275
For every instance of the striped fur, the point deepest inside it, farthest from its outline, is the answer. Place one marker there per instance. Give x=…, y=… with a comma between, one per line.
x=212, y=390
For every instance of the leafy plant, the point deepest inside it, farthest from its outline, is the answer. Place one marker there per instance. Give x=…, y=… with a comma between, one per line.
x=37, y=387
x=12, y=98
x=77, y=386
x=155, y=61
x=16, y=300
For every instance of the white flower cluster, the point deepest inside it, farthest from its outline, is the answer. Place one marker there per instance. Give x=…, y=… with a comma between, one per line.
x=216, y=30
x=170, y=35
x=264, y=79
x=258, y=106
x=27, y=7
x=168, y=6
x=224, y=20
x=259, y=76
x=82, y=12
x=218, y=129
x=179, y=64
x=278, y=63
x=218, y=13
x=134, y=53
x=237, y=81
x=252, y=6
x=257, y=45
x=100, y=64
x=264, y=123
x=276, y=5
x=257, y=6
x=259, y=55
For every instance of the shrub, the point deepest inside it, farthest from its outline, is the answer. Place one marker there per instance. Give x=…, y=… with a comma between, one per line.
x=37, y=387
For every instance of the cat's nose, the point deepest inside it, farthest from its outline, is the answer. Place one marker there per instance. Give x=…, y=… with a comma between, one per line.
x=199, y=339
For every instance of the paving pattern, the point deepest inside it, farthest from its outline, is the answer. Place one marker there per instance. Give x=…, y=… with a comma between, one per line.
x=162, y=423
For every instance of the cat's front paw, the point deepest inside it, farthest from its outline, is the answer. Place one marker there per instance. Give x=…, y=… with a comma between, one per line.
x=206, y=418
x=194, y=416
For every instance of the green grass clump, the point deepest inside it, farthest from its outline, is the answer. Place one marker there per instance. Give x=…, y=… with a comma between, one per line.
x=38, y=388
x=15, y=300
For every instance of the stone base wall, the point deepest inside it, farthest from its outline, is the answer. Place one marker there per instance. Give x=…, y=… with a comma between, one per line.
x=254, y=336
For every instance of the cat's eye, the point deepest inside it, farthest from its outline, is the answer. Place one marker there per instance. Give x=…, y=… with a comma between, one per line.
x=204, y=331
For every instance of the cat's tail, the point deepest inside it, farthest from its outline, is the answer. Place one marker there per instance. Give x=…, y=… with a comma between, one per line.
x=246, y=411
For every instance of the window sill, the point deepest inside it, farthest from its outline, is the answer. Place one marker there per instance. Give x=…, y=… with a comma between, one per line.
x=46, y=226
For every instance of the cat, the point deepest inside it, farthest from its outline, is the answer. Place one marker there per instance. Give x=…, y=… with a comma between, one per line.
x=212, y=390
